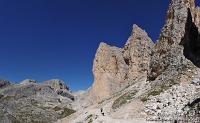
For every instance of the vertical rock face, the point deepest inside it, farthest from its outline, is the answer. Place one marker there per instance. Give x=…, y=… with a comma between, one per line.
x=109, y=71
x=169, y=56
x=176, y=58
x=137, y=53
x=114, y=67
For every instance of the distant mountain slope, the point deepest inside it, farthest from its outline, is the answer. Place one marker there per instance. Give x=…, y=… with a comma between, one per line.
x=30, y=102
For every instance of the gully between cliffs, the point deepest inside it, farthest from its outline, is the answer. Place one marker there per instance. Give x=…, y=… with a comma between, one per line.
x=191, y=41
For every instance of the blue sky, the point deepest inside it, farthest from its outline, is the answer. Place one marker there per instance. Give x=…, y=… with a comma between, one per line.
x=45, y=39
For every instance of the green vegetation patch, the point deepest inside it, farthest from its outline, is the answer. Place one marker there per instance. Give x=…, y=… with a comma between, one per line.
x=57, y=108
x=34, y=102
x=89, y=117
x=123, y=100
x=155, y=93
x=161, y=89
x=66, y=112
x=7, y=98
x=1, y=96
x=90, y=121
x=102, y=101
x=144, y=99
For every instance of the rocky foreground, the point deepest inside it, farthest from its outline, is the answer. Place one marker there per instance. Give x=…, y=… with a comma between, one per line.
x=138, y=83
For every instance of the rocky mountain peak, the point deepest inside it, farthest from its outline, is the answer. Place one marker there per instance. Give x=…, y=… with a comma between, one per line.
x=169, y=52
x=137, y=33
x=114, y=68
x=56, y=84
x=175, y=22
x=137, y=52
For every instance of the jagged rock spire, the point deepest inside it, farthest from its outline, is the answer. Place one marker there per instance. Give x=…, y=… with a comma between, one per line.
x=137, y=52
x=114, y=67
x=109, y=69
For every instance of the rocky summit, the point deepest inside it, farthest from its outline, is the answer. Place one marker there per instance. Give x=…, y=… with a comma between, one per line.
x=114, y=68
x=141, y=82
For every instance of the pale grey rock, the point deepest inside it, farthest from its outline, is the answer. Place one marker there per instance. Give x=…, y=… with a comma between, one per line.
x=31, y=102
x=196, y=81
x=59, y=87
x=171, y=104
x=56, y=84
x=28, y=81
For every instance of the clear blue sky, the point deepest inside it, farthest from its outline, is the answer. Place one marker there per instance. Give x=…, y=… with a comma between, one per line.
x=45, y=39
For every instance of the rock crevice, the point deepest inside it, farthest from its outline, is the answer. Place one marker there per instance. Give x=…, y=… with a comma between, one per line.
x=191, y=41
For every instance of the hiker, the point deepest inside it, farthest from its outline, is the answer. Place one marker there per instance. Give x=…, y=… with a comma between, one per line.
x=102, y=112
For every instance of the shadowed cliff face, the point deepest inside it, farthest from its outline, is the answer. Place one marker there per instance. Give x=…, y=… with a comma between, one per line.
x=191, y=41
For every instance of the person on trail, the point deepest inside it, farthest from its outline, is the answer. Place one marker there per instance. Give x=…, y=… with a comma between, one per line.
x=102, y=112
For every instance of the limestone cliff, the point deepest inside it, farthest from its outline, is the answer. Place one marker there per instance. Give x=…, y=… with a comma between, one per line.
x=114, y=68
x=175, y=64
x=171, y=57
